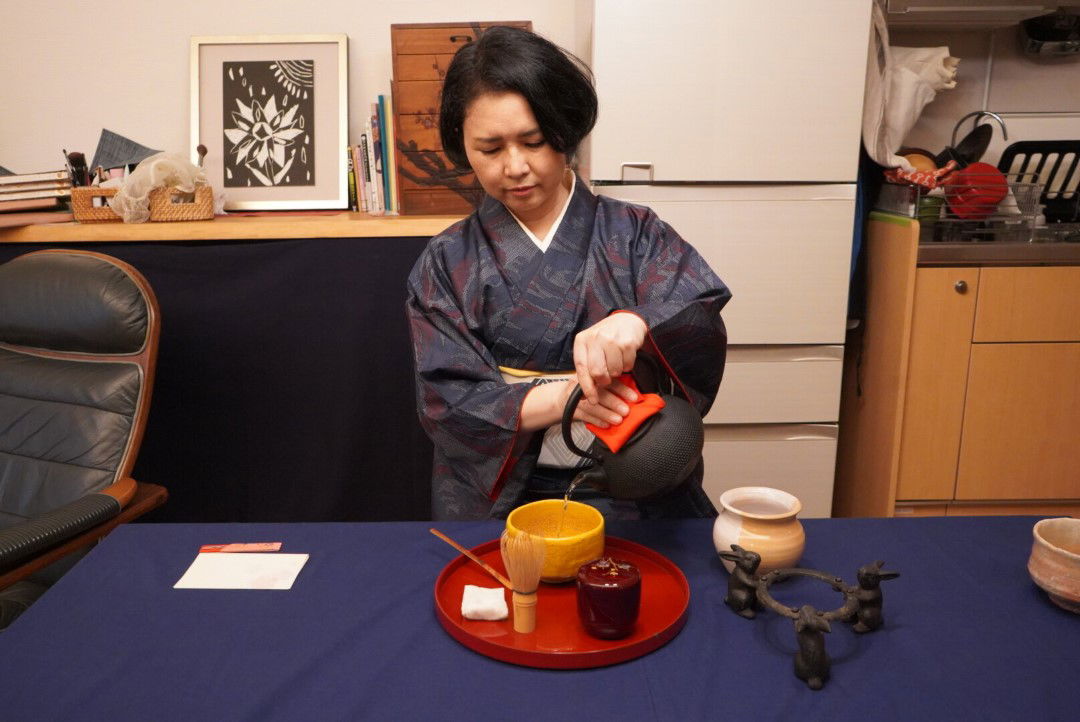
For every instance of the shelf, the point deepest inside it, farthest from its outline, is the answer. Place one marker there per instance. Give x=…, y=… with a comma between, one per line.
x=341, y=225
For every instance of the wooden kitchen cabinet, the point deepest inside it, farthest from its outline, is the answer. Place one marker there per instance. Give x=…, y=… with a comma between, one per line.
x=961, y=388
x=942, y=314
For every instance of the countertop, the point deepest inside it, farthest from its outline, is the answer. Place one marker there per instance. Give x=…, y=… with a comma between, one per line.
x=999, y=254
x=343, y=224
x=989, y=253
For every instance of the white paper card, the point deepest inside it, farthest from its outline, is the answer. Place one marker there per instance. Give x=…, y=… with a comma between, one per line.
x=224, y=570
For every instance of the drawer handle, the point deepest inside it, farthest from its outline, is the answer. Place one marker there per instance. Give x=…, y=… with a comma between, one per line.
x=961, y=286
x=461, y=38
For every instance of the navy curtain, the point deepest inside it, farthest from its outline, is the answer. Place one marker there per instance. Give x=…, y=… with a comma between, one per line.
x=284, y=387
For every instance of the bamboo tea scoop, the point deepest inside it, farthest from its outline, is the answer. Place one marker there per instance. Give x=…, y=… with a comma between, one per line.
x=487, y=567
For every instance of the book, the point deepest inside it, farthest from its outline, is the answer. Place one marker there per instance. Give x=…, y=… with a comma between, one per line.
x=34, y=185
x=352, y=179
x=62, y=192
x=359, y=167
x=384, y=151
x=32, y=177
x=365, y=157
x=30, y=204
x=391, y=144
x=376, y=158
x=29, y=218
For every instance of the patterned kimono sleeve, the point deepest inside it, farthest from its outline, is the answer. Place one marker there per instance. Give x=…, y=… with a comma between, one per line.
x=680, y=299
x=468, y=411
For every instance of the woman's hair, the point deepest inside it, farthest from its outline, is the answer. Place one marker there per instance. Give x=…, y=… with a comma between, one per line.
x=557, y=86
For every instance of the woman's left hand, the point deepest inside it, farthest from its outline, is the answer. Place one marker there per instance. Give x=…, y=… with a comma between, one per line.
x=605, y=350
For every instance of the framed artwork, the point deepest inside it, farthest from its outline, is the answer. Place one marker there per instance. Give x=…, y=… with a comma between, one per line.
x=272, y=112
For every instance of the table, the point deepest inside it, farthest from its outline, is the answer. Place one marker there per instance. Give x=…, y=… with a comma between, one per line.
x=284, y=387
x=967, y=635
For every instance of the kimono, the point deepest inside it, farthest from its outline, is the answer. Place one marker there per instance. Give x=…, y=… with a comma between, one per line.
x=482, y=295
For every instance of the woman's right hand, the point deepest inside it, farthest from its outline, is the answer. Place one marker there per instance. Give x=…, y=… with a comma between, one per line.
x=609, y=409
x=544, y=405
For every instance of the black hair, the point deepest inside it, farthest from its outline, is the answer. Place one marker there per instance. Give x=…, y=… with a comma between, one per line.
x=557, y=86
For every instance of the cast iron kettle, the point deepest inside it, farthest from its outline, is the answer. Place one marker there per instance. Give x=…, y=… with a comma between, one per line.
x=657, y=458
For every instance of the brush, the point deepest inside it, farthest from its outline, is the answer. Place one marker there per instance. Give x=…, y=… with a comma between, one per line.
x=201, y=150
x=523, y=557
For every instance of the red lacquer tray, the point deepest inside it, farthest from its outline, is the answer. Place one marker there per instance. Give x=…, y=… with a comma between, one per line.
x=560, y=640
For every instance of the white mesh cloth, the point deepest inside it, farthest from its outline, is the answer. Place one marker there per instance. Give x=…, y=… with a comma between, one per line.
x=132, y=201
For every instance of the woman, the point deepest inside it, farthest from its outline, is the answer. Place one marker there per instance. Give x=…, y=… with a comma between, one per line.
x=545, y=282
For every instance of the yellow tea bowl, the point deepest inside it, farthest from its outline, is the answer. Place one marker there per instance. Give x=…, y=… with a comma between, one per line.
x=571, y=538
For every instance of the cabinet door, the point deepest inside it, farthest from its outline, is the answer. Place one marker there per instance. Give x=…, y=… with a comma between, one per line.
x=729, y=91
x=1021, y=423
x=779, y=384
x=798, y=458
x=785, y=252
x=942, y=318
x=1028, y=304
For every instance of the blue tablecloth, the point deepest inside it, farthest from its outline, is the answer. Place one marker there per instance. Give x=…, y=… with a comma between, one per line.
x=967, y=635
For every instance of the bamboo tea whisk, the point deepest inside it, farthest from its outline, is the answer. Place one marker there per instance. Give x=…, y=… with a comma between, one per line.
x=523, y=557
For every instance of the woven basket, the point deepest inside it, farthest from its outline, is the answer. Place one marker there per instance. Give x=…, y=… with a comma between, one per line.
x=84, y=210
x=164, y=207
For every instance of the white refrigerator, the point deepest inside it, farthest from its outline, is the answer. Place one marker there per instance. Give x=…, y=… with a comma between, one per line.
x=739, y=124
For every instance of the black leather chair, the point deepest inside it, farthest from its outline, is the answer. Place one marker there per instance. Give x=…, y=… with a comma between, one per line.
x=78, y=344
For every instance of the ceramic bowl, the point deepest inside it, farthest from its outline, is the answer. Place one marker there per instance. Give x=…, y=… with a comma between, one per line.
x=571, y=538
x=1055, y=560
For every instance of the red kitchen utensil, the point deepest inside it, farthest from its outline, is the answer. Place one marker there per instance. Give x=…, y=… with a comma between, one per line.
x=974, y=192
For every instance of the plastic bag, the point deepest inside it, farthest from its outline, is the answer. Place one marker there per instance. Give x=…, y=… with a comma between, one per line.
x=899, y=84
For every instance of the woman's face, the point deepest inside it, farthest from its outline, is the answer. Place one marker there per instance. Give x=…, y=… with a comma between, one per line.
x=512, y=160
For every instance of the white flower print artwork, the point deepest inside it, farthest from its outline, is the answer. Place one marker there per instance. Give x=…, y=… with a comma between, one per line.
x=269, y=129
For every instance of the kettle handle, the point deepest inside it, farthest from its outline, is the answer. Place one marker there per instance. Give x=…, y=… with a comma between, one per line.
x=567, y=420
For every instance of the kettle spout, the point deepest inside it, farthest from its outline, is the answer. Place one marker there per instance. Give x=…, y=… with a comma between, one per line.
x=594, y=476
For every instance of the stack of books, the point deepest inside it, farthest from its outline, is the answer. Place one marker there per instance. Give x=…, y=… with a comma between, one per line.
x=34, y=198
x=372, y=171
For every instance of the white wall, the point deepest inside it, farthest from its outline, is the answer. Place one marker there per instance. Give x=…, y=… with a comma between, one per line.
x=73, y=68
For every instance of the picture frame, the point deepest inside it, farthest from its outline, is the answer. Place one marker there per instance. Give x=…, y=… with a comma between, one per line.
x=272, y=113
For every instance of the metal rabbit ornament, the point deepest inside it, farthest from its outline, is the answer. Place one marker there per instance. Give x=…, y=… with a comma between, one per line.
x=658, y=456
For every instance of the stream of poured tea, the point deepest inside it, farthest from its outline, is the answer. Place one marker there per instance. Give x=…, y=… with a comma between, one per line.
x=566, y=502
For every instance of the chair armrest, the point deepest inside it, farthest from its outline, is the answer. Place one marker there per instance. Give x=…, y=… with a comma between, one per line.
x=146, y=498
x=35, y=535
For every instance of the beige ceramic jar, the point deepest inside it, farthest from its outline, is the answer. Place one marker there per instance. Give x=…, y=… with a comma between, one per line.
x=762, y=520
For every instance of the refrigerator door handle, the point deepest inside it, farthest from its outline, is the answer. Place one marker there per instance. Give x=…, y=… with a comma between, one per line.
x=642, y=165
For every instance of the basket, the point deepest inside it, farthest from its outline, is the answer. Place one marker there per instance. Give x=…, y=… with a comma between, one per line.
x=169, y=204
x=84, y=210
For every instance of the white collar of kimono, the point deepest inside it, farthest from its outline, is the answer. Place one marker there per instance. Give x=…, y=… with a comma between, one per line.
x=543, y=244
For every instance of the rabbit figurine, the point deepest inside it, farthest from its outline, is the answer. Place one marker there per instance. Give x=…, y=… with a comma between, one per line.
x=811, y=661
x=868, y=615
x=742, y=584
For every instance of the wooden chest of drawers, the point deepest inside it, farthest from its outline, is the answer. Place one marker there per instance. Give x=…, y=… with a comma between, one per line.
x=428, y=183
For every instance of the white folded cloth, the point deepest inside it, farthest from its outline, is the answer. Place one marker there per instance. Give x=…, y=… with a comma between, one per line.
x=483, y=603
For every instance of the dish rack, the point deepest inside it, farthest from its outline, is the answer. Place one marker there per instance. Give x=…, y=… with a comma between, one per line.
x=1009, y=220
